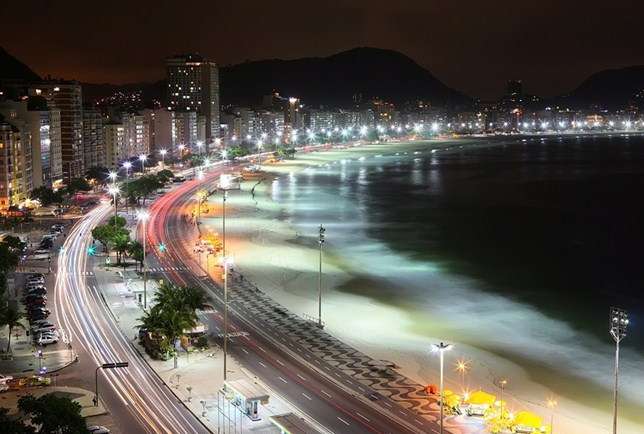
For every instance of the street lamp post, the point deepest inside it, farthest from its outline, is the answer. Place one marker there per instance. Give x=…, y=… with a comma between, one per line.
x=142, y=159
x=113, y=176
x=105, y=366
x=441, y=348
x=502, y=383
x=321, y=241
x=552, y=403
x=226, y=263
x=163, y=152
x=618, y=325
x=143, y=217
x=128, y=166
x=114, y=191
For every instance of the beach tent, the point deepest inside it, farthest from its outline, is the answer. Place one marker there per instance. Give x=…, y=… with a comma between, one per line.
x=481, y=398
x=524, y=421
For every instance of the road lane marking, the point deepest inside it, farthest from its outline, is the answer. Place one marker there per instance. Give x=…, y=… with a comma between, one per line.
x=263, y=365
x=307, y=396
x=343, y=421
x=402, y=412
x=418, y=422
x=301, y=377
x=283, y=380
x=244, y=350
x=349, y=381
x=361, y=389
x=365, y=418
x=262, y=349
x=280, y=362
x=387, y=404
x=326, y=393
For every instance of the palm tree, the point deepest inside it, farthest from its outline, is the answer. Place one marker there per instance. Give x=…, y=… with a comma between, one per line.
x=175, y=322
x=11, y=317
x=173, y=313
x=135, y=250
x=121, y=243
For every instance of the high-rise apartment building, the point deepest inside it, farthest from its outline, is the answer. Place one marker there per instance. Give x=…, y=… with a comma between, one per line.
x=15, y=165
x=160, y=129
x=67, y=97
x=114, y=139
x=93, y=146
x=193, y=85
x=137, y=135
x=41, y=125
x=185, y=130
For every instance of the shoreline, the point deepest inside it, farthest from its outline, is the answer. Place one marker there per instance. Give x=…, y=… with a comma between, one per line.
x=256, y=226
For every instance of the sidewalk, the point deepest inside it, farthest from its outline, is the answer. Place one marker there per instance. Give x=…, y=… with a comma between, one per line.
x=199, y=375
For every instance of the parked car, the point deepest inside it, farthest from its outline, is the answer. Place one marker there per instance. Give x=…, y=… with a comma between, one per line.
x=37, y=304
x=37, y=291
x=31, y=286
x=98, y=429
x=41, y=323
x=43, y=329
x=35, y=279
x=46, y=340
x=4, y=379
x=42, y=276
x=38, y=315
x=37, y=310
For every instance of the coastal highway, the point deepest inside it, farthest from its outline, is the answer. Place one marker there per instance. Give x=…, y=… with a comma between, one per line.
x=135, y=396
x=318, y=389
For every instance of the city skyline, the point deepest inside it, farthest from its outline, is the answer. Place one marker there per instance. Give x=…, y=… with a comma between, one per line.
x=473, y=48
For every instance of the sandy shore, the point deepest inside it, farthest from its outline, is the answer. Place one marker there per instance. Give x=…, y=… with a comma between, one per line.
x=268, y=250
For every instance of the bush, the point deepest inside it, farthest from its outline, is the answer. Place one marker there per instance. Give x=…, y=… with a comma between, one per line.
x=202, y=342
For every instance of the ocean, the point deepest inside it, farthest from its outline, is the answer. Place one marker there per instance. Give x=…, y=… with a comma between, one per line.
x=514, y=245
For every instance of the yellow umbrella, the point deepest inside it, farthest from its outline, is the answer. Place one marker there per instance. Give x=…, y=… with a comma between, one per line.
x=527, y=419
x=481, y=398
x=452, y=400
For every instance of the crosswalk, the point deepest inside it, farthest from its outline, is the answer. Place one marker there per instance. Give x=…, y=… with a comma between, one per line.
x=161, y=269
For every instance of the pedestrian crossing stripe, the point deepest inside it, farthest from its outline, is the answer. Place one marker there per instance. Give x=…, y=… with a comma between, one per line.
x=160, y=269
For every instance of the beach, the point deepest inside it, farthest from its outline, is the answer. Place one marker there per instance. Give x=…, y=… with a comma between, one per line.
x=371, y=298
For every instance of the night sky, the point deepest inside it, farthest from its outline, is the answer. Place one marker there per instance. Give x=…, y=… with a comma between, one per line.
x=473, y=46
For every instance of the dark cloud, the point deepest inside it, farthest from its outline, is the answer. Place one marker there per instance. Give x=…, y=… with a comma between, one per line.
x=470, y=45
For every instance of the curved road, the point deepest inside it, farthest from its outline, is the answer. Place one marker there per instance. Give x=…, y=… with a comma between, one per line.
x=135, y=395
x=323, y=398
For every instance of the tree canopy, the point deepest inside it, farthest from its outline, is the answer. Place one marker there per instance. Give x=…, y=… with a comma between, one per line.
x=78, y=184
x=54, y=414
x=46, y=196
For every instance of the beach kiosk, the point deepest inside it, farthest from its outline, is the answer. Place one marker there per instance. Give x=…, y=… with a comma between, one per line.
x=290, y=423
x=479, y=402
x=246, y=395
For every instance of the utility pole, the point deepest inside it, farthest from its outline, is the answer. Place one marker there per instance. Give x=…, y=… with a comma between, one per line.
x=321, y=240
x=618, y=323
